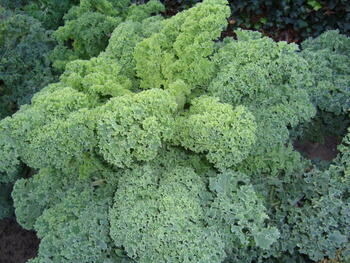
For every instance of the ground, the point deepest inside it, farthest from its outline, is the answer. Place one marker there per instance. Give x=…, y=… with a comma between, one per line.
x=16, y=244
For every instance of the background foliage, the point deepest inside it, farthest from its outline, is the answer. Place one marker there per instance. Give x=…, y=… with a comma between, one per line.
x=24, y=65
x=283, y=19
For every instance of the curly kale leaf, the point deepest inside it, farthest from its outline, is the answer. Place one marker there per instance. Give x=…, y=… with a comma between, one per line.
x=134, y=127
x=123, y=41
x=24, y=64
x=157, y=217
x=238, y=212
x=269, y=79
x=76, y=228
x=181, y=49
x=87, y=35
x=98, y=77
x=225, y=134
x=89, y=26
x=32, y=196
x=329, y=62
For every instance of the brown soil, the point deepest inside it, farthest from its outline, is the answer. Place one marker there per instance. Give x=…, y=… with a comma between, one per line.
x=326, y=152
x=16, y=244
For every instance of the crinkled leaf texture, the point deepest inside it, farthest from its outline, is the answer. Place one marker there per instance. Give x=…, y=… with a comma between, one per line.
x=270, y=80
x=182, y=47
x=89, y=25
x=157, y=216
x=173, y=146
x=329, y=62
x=24, y=64
x=238, y=213
x=224, y=133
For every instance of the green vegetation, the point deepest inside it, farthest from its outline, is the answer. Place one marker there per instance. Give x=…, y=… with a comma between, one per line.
x=87, y=27
x=162, y=142
x=24, y=66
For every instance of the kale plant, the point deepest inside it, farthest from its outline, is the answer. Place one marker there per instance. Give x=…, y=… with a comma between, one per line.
x=24, y=63
x=24, y=70
x=88, y=26
x=329, y=63
x=172, y=145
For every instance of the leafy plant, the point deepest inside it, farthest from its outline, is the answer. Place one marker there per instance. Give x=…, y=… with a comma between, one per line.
x=87, y=27
x=49, y=12
x=292, y=20
x=172, y=145
x=24, y=64
x=328, y=60
x=24, y=70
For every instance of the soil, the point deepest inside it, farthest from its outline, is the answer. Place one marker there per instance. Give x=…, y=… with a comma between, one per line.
x=318, y=151
x=16, y=244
